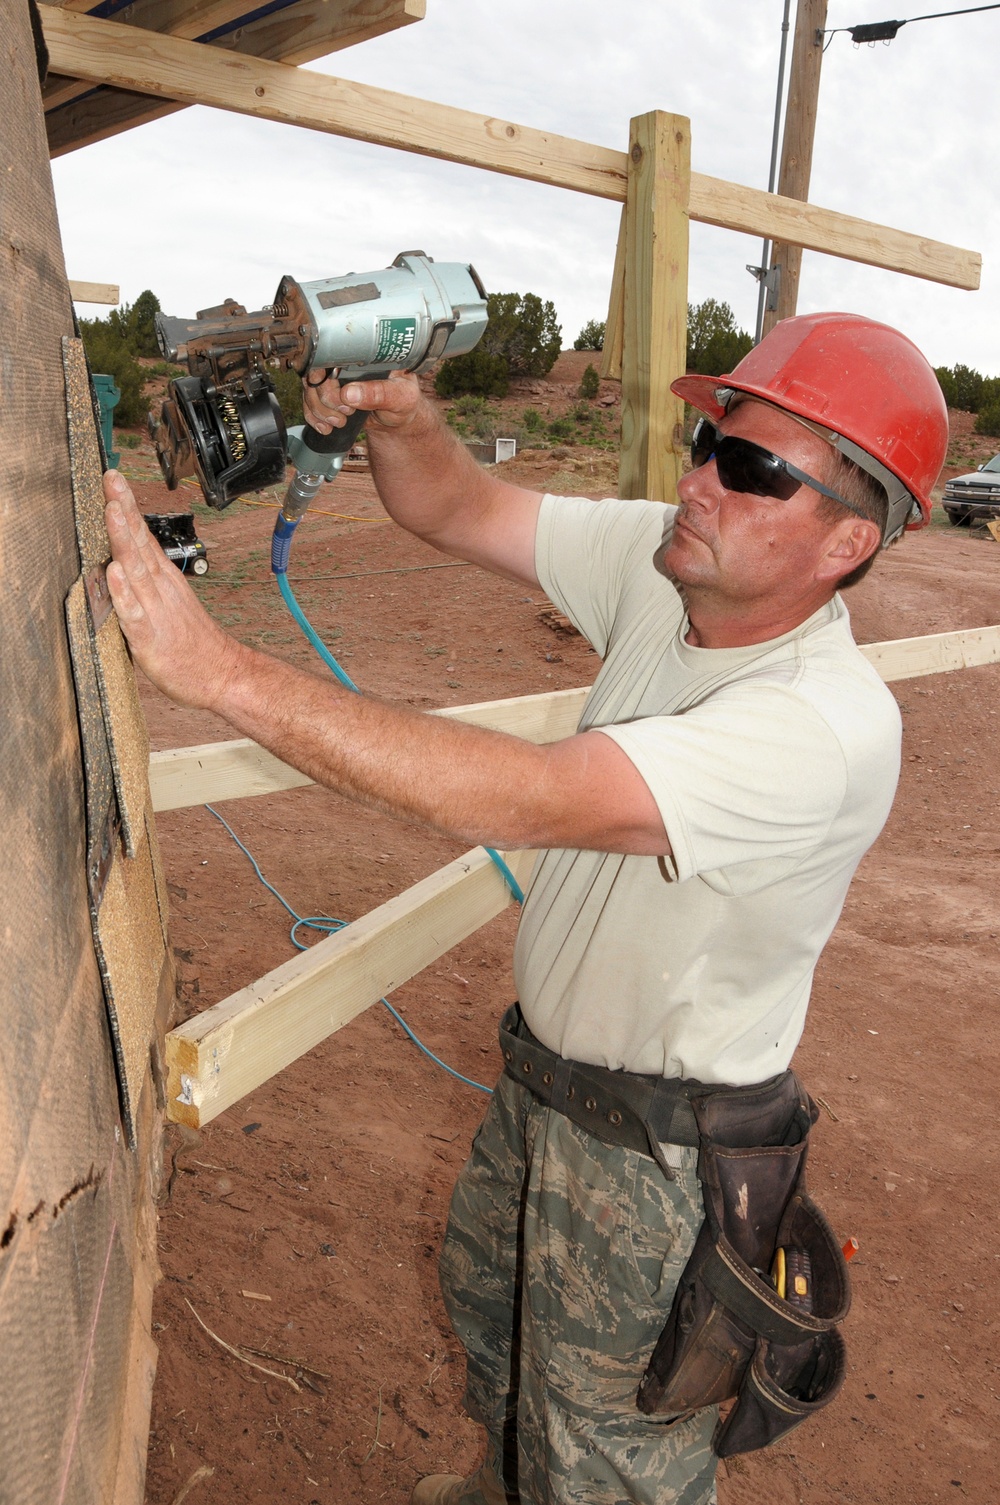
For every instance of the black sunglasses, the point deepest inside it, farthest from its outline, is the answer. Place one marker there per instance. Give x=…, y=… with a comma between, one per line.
x=745, y=466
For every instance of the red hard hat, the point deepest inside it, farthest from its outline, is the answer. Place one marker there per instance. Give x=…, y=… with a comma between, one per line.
x=866, y=383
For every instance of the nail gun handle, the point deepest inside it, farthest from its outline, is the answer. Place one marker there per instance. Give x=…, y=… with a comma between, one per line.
x=337, y=441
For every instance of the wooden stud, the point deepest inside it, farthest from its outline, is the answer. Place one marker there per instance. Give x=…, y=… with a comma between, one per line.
x=94, y=292
x=146, y=62
x=797, y=144
x=655, y=325
x=149, y=63
x=222, y=1054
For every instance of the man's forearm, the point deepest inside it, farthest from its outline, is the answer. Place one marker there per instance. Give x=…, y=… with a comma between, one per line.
x=427, y=479
x=469, y=782
x=466, y=781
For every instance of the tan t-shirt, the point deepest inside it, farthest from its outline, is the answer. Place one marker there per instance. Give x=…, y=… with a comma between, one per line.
x=774, y=768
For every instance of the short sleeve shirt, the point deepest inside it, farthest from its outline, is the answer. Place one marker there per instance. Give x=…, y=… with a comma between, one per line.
x=774, y=768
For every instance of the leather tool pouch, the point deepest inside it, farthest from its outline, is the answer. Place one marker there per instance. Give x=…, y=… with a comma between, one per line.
x=730, y=1336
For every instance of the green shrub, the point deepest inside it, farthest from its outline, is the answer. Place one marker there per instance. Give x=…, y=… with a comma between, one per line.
x=135, y=323
x=562, y=430
x=532, y=420
x=470, y=405
x=591, y=336
x=962, y=387
x=128, y=441
x=521, y=339
x=288, y=390
x=988, y=421
x=714, y=343
x=109, y=355
x=590, y=383
x=480, y=372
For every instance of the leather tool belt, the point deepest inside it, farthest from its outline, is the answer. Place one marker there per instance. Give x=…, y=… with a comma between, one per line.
x=755, y=1314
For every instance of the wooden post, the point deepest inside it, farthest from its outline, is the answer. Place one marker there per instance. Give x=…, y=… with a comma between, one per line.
x=614, y=329
x=797, y=144
x=655, y=332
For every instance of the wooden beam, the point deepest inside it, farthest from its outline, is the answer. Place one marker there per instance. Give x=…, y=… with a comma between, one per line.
x=146, y=62
x=768, y=215
x=193, y=21
x=655, y=324
x=222, y=1054
x=797, y=145
x=185, y=776
x=171, y=69
x=938, y=653
x=614, y=329
x=303, y=34
x=94, y=292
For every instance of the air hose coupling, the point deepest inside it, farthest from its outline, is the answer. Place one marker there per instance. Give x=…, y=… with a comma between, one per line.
x=298, y=498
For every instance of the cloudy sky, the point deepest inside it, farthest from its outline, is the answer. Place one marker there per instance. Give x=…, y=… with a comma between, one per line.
x=210, y=205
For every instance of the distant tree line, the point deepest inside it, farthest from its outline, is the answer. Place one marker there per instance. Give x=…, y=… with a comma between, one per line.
x=113, y=345
x=715, y=343
x=974, y=393
x=523, y=339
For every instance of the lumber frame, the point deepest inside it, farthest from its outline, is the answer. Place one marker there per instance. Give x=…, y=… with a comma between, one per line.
x=223, y=1053
x=655, y=305
x=105, y=52
x=614, y=328
x=228, y=1050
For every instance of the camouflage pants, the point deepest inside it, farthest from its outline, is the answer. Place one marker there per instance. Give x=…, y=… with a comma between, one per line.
x=558, y=1271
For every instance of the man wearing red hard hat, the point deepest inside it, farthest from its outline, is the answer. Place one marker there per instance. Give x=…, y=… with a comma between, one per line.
x=631, y=1243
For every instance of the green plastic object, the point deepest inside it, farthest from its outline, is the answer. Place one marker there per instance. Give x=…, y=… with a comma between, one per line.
x=108, y=396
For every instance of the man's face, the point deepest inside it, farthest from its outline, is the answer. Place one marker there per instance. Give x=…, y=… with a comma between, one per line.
x=741, y=548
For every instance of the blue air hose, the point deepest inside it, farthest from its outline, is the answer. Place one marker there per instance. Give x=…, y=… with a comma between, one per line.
x=330, y=926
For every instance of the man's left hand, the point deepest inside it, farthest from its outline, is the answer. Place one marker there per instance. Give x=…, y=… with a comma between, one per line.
x=172, y=637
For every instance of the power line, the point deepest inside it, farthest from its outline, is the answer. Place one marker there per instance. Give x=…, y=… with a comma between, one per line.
x=886, y=31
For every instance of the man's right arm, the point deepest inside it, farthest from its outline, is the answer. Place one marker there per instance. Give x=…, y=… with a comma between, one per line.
x=428, y=481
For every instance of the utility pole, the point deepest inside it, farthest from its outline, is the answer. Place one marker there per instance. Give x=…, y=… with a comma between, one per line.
x=797, y=144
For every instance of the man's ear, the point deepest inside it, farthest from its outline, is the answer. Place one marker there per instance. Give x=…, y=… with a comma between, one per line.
x=853, y=541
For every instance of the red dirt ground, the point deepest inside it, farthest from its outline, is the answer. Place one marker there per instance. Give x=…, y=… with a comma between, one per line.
x=326, y=1190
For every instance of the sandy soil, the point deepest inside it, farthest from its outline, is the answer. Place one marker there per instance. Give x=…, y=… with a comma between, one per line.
x=326, y=1190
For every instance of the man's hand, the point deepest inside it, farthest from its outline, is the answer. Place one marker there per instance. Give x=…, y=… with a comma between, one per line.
x=328, y=405
x=172, y=637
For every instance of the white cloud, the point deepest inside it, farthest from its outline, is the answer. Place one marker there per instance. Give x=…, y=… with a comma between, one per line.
x=209, y=205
